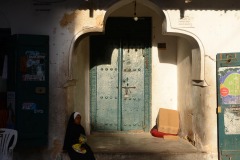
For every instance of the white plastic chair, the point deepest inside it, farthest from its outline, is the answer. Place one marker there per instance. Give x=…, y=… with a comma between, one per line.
x=6, y=149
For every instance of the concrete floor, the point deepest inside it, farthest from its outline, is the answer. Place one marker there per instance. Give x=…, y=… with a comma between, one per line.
x=143, y=146
x=125, y=146
x=137, y=143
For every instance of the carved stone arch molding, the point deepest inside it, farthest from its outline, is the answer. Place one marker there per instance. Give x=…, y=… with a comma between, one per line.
x=98, y=21
x=100, y=26
x=183, y=28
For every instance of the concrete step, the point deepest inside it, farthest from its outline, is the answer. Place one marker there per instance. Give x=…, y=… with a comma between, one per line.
x=142, y=146
x=154, y=156
x=148, y=156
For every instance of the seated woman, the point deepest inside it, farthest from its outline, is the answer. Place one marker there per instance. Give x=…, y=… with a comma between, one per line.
x=74, y=138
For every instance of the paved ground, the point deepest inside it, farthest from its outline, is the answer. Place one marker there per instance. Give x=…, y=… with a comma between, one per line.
x=143, y=146
x=124, y=146
x=137, y=143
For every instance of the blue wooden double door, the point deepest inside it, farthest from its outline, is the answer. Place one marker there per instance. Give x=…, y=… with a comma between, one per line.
x=120, y=77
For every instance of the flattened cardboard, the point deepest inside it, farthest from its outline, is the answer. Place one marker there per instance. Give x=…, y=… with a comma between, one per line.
x=170, y=137
x=168, y=121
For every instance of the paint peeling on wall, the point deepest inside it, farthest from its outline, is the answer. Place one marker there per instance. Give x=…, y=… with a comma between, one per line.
x=79, y=19
x=67, y=19
x=99, y=20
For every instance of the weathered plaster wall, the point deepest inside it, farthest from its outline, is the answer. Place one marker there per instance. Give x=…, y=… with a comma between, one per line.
x=80, y=67
x=215, y=32
x=184, y=85
x=189, y=96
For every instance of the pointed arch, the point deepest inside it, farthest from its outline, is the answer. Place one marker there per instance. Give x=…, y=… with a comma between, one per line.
x=110, y=10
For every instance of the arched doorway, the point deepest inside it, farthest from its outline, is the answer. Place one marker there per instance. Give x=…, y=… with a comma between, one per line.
x=167, y=63
x=120, y=63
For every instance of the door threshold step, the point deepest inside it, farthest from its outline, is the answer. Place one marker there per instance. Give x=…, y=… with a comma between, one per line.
x=150, y=156
x=155, y=156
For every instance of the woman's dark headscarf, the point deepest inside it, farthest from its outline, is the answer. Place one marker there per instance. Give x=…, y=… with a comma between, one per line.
x=73, y=133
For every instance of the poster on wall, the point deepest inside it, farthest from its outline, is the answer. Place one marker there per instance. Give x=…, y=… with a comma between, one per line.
x=231, y=120
x=229, y=78
x=31, y=106
x=32, y=66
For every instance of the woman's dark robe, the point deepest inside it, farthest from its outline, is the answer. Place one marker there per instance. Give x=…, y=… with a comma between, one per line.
x=72, y=135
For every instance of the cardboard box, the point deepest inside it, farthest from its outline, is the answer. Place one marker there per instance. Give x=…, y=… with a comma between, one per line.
x=168, y=121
